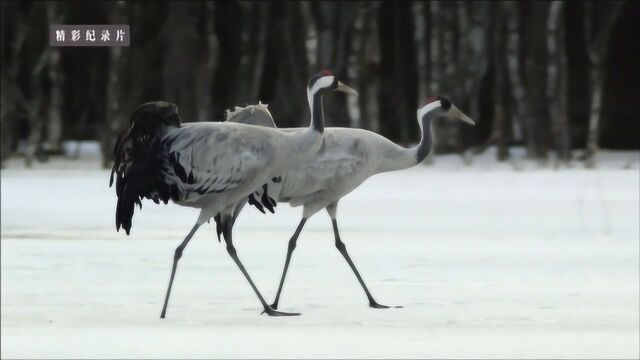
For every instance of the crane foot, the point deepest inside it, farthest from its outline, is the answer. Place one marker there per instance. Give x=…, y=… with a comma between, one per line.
x=375, y=305
x=271, y=312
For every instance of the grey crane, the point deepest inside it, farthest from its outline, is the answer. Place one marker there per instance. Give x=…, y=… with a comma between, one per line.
x=207, y=165
x=346, y=159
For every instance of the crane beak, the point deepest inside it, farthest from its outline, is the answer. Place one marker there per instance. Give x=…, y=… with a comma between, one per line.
x=457, y=114
x=344, y=88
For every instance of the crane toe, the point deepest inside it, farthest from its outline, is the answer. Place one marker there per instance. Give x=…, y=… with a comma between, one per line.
x=375, y=305
x=271, y=312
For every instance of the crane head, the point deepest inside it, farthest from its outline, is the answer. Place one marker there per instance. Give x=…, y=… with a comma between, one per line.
x=325, y=81
x=148, y=117
x=441, y=106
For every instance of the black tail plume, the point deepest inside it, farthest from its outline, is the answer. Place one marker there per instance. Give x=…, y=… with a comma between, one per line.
x=138, y=160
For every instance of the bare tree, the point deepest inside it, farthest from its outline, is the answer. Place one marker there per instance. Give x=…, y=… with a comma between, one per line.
x=36, y=97
x=358, y=33
x=501, y=134
x=557, y=85
x=258, y=36
x=54, y=120
x=420, y=43
x=207, y=61
x=450, y=73
x=369, y=71
x=115, y=118
x=599, y=21
x=519, y=110
x=474, y=31
x=286, y=57
x=13, y=103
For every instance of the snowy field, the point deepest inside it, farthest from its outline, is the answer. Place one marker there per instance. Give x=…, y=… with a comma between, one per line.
x=489, y=260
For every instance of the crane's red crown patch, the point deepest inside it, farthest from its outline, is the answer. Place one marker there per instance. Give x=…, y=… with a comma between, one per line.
x=431, y=99
x=326, y=73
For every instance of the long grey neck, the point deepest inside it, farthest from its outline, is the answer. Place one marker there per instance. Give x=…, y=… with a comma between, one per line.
x=317, y=112
x=423, y=149
x=302, y=146
x=396, y=157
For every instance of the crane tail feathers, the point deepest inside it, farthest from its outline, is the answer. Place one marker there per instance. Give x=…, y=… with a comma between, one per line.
x=138, y=165
x=218, y=220
x=252, y=201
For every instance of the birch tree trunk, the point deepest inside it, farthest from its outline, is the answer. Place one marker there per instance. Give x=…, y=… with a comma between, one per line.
x=557, y=85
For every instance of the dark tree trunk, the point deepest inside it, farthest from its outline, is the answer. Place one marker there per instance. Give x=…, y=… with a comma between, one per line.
x=369, y=73
x=13, y=105
x=208, y=62
x=55, y=15
x=599, y=21
x=115, y=119
x=557, y=85
x=520, y=111
x=535, y=66
x=38, y=52
x=501, y=134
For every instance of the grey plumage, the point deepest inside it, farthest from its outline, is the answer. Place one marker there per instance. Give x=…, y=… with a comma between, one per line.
x=345, y=160
x=208, y=166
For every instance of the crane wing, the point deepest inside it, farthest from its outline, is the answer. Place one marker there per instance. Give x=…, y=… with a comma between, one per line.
x=203, y=160
x=266, y=195
x=335, y=159
x=332, y=165
x=251, y=115
x=258, y=115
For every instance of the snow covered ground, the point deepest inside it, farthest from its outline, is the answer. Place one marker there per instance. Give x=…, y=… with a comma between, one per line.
x=488, y=261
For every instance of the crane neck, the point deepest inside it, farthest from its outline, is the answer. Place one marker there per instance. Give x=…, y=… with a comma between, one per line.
x=317, y=111
x=396, y=157
x=302, y=146
x=426, y=142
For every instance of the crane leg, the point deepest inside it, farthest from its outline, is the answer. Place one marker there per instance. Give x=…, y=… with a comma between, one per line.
x=292, y=245
x=234, y=255
x=177, y=255
x=343, y=250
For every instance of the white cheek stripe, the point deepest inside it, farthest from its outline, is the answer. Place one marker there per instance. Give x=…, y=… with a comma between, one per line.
x=425, y=109
x=323, y=82
x=320, y=83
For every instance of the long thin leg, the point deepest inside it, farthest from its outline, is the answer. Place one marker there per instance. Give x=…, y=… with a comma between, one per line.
x=176, y=257
x=292, y=245
x=234, y=255
x=343, y=250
